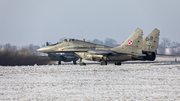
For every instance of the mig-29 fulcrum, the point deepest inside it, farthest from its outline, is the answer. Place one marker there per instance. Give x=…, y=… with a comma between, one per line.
x=134, y=48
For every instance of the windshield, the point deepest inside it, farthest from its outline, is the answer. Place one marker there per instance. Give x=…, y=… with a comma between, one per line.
x=65, y=40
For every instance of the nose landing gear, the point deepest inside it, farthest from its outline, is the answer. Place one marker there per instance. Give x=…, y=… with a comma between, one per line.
x=82, y=63
x=59, y=63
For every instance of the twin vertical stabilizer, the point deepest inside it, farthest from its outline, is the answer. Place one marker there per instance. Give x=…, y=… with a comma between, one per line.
x=135, y=43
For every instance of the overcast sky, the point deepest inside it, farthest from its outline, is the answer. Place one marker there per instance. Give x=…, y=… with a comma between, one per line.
x=24, y=22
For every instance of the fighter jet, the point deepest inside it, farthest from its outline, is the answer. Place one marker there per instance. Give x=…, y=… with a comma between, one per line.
x=134, y=48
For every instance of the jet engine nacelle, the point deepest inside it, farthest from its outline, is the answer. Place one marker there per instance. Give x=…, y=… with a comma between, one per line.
x=149, y=56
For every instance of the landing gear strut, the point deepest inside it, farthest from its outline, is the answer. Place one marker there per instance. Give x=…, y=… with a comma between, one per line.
x=74, y=62
x=59, y=63
x=104, y=62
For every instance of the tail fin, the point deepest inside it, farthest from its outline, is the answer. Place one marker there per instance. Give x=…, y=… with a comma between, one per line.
x=133, y=44
x=151, y=42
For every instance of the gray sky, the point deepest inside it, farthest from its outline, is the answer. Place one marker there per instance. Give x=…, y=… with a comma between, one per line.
x=24, y=22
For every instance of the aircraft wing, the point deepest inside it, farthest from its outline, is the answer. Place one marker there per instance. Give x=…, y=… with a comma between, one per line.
x=102, y=52
x=71, y=50
x=106, y=52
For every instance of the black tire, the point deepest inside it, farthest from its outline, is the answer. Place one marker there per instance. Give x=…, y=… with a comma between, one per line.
x=103, y=62
x=82, y=64
x=119, y=63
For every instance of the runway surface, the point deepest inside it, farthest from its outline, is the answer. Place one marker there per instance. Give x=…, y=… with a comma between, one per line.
x=150, y=81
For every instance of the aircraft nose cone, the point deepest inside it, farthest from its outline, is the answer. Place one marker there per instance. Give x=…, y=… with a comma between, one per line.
x=40, y=50
x=44, y=49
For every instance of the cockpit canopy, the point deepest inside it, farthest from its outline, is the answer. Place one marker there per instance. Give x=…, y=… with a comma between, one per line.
x=69, y=40
x=65, y=40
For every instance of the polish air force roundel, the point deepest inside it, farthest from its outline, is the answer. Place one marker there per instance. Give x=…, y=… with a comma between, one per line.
x=130, y=42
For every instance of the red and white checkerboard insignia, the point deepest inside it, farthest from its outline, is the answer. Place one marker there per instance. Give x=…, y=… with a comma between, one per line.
x=130, y=42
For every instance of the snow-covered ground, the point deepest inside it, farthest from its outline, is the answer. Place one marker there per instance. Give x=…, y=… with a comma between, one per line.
x=167, y=59
x=152, y=81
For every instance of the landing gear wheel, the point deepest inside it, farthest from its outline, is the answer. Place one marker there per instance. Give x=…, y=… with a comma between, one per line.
x=103, y=62
x=74, y=62
x=59, y=63
x=82, y=64
x=118, y=63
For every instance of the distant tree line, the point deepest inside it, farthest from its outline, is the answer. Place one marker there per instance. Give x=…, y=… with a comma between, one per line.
x=168, y=47
x=11, y=55
x=108, y=42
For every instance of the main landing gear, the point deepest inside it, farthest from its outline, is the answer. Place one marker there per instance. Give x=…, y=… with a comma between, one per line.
x=74, y=62
x=103, y=62
x=119, y=63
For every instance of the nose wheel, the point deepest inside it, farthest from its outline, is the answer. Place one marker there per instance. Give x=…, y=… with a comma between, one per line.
x=82, y=63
